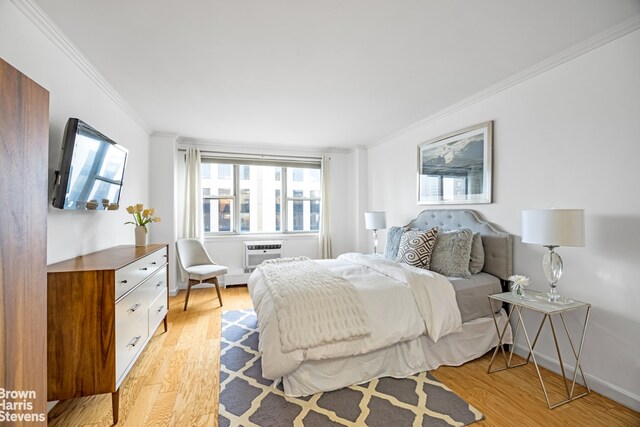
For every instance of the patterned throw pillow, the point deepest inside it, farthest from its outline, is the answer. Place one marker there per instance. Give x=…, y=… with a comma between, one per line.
x=416, y=246
x=451, y=253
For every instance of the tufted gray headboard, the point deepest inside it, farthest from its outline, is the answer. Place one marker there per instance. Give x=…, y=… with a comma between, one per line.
x=498, y=245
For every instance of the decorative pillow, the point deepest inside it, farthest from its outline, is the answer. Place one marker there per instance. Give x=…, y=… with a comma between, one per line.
x=416, y=246
x=452, y=252
x=394, y=234
x=476, y=260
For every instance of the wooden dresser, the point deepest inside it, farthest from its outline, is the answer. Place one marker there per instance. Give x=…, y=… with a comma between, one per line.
x=102, y=309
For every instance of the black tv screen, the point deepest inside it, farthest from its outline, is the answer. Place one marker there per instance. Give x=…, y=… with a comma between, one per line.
x=91, y=170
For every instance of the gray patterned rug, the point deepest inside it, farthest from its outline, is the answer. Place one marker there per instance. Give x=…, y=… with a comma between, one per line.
x=247, y=399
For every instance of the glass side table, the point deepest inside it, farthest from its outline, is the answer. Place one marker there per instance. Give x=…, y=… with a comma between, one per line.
x=537, y=301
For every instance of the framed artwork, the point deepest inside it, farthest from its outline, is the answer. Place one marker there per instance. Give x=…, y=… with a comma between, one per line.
x=456, y=168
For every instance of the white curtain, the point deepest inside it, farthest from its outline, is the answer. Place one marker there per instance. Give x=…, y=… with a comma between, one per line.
x=324, y=234
x=193, y=226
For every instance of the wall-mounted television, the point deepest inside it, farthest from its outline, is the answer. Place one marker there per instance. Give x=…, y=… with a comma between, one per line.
x=91, y=170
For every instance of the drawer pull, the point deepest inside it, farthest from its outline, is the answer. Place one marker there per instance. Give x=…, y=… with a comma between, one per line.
x=123, y=281
x=164, y=256
x=135, y=307
x=134, y=341
x=144, y=268
x=159, y=284
x=153, y=263
x=160, y=308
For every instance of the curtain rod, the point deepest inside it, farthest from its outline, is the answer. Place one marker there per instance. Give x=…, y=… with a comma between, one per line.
x=258, y=156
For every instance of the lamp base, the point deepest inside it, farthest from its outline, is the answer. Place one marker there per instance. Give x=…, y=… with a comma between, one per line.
x=552, y=266
x=553, y=294
x=375, y=242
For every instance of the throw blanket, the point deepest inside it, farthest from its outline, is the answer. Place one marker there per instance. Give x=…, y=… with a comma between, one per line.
x=313, y=305
x=433, y=293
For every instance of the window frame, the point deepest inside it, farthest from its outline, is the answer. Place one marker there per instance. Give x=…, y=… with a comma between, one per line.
x=284, y=198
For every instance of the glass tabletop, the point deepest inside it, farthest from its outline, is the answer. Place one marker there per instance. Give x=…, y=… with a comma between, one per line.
x=538, y=301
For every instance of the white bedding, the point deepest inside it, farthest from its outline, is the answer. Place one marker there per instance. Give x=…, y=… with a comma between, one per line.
x=313, y=305
x=399, y=360
x=401, y=302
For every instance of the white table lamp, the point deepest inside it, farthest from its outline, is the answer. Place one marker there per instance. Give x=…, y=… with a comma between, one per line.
x=553, y=228
x=375, y=221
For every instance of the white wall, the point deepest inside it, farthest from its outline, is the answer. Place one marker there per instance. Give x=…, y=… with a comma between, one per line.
x=569, y=137
x=162, y=195
x=74, y=94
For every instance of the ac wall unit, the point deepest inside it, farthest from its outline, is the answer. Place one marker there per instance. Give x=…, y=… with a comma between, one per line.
x=255, y=252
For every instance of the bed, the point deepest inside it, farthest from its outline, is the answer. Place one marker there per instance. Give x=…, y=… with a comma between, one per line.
x=417, y=320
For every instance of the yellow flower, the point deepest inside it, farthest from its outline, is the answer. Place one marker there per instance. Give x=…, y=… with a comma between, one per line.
x=141, y=216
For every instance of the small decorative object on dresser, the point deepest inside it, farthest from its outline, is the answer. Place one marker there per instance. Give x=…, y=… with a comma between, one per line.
x=518, y=283
x=102, y=310
x=141, y=217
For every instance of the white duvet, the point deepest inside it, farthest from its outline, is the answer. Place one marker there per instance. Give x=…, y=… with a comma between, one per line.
x=401, y=302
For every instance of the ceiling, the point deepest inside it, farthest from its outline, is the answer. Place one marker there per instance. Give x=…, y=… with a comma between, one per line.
x=316, y=73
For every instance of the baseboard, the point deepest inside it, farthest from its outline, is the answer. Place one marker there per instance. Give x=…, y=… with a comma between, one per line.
x=604, y=388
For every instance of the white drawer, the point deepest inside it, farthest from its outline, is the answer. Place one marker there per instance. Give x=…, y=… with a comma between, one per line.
x=156, y=259
x=129, y=308
x=130, y=339
x=155, y=284
x=157, y=311
x=130, y=275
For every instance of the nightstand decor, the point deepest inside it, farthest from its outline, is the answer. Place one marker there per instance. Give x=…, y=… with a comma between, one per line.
x=552, y=228
x=518, y=283
x=375, y=221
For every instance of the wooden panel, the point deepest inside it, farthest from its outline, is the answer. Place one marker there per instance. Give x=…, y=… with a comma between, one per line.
x=24, y=134
x=112, y=258
x=81, y=334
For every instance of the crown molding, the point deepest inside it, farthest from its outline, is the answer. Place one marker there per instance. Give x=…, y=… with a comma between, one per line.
x=37, y=16
x=614, y=33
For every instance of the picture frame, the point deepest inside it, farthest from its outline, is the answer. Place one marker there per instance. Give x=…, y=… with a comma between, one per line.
x=456, y=168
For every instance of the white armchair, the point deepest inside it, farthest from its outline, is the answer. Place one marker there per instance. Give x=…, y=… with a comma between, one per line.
x=197, y=267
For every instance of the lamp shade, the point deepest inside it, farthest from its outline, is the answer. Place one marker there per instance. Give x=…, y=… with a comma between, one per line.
x=553, y=227
x=375, y=220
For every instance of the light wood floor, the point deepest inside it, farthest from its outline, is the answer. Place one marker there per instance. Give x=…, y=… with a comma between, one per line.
x=175, y=381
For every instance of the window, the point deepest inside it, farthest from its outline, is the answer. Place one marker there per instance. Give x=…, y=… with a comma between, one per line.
x=224, y=171
x=248, y=198
x=298, y=210
x=278, y=208
x=297, y=174
x=246, y=172
x=205, y=171
x=303, y=199
x=217, y=197
x=245, y=210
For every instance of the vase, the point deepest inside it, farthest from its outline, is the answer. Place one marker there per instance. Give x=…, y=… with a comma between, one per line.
x=517, y=290
x=141, y=235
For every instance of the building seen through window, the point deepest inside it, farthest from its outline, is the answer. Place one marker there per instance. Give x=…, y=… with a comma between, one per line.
x=252, y=195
